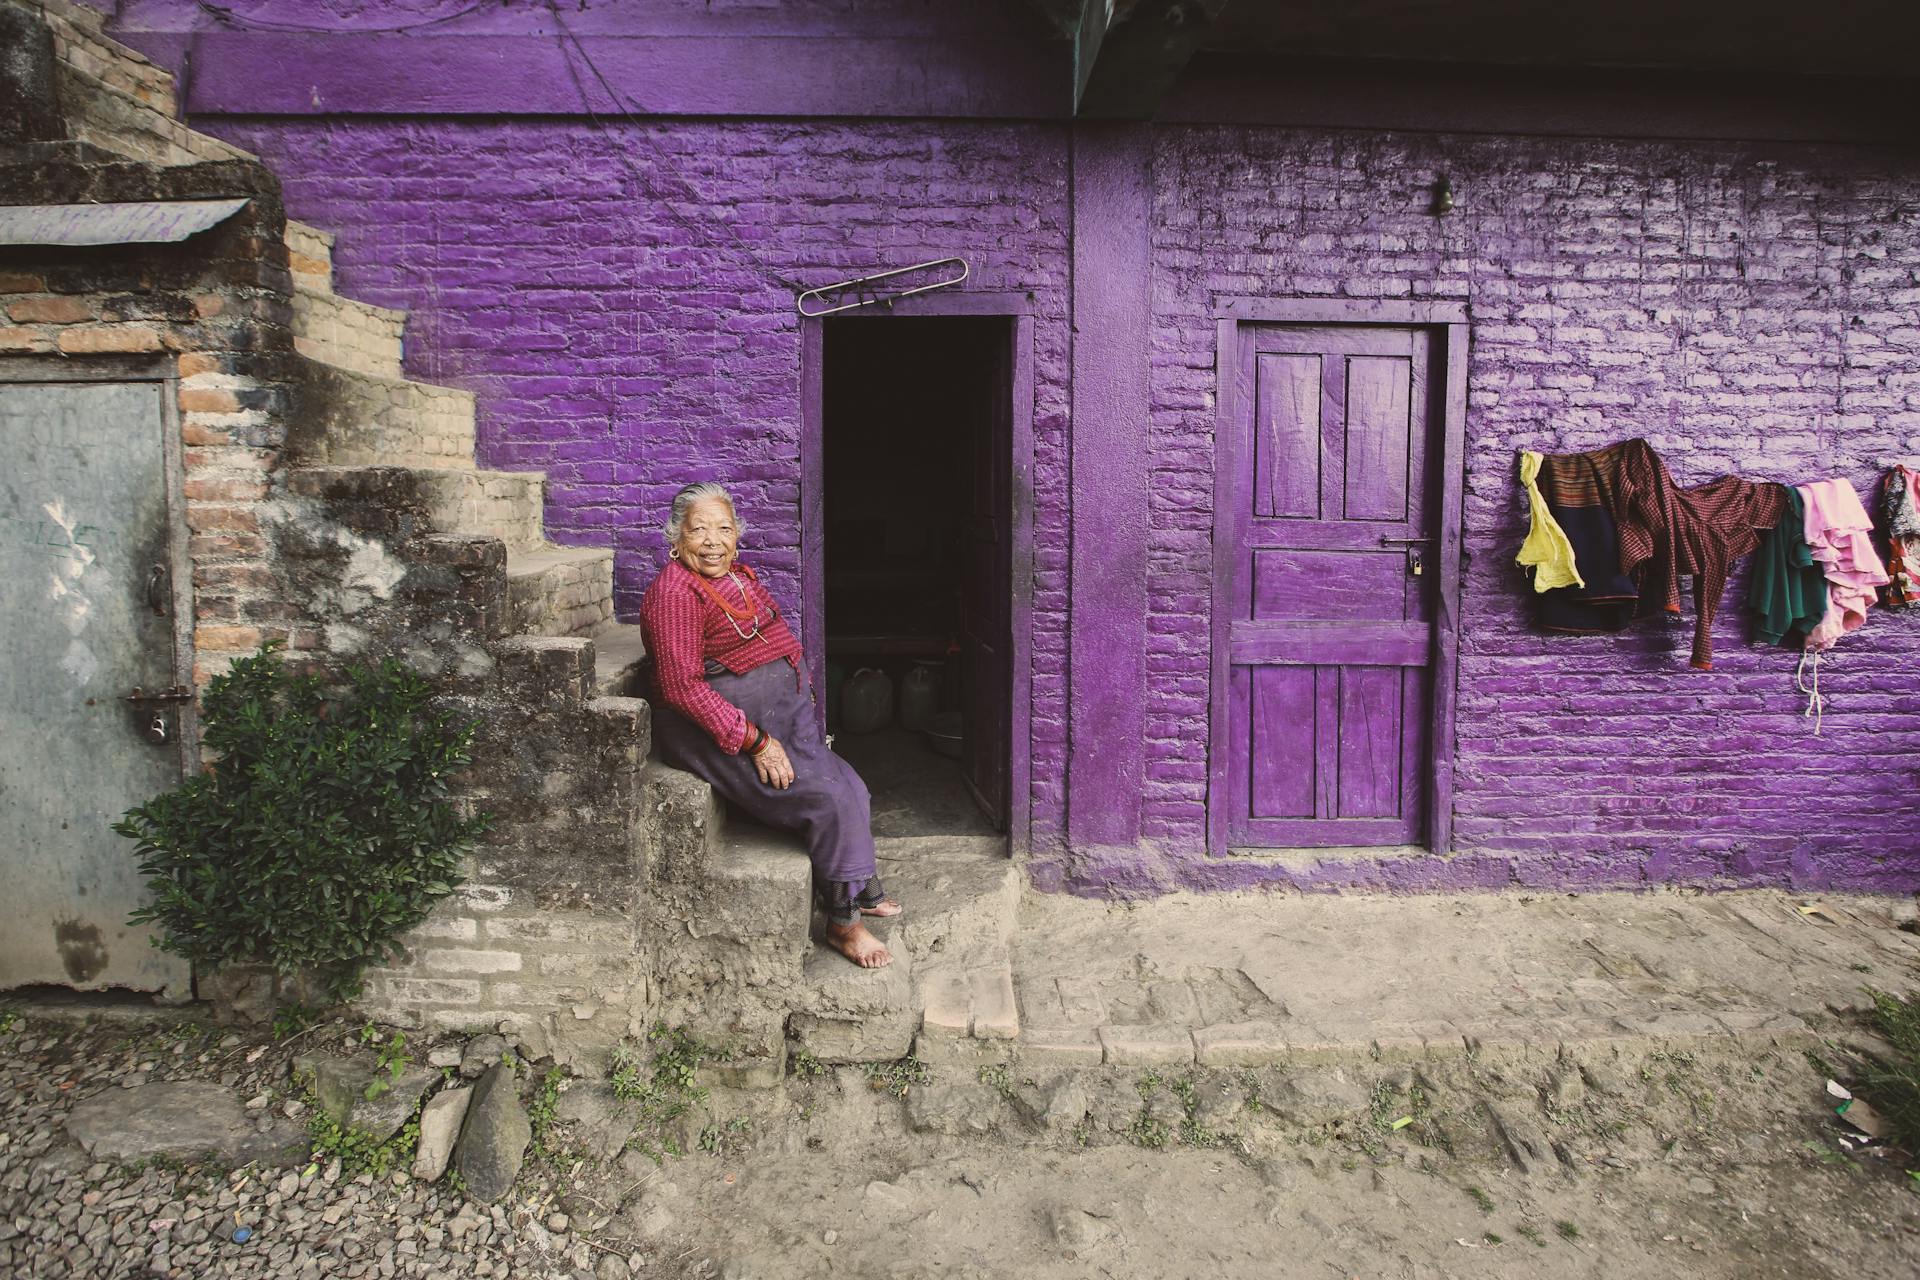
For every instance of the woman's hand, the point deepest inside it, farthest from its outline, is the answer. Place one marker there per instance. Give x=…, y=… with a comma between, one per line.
x=773, y=766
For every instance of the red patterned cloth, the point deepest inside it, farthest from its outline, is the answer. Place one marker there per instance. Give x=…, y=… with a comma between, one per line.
x=1667, y=531
x=685, y=626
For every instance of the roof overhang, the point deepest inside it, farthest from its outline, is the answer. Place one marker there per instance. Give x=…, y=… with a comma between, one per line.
x=131, y=222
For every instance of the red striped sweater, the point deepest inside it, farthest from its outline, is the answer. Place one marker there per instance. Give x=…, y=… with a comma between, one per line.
x=684, y=627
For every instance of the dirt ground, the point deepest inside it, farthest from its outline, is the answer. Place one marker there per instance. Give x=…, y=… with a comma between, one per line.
x=1609, y=1086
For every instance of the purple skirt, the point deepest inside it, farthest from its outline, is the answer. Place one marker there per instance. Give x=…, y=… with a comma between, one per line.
x=827, y=804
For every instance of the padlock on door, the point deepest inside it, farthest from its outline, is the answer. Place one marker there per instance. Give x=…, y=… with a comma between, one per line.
x=160, y=729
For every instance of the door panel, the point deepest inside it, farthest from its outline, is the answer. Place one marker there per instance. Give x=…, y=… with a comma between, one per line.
x=1329, y=632
x=83, y=511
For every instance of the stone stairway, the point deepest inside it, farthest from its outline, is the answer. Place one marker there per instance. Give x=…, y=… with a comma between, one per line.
x=367, y=428
x=613, y=892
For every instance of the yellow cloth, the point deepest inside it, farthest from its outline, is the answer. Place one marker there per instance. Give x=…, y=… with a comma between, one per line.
x=1546, y=547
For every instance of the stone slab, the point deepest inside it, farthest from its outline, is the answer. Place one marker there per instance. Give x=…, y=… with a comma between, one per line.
x=1146, y=1046
x=183, y=1118
x=440, y=1122
x=1240, y=1044
x=995, y=1015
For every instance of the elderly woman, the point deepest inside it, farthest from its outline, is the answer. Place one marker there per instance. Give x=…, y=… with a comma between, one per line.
x=732, y=705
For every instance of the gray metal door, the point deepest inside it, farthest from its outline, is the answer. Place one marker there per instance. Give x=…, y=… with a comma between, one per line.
x=88, y=595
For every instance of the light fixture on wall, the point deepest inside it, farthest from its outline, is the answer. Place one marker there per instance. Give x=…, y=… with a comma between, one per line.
x=1442, y=197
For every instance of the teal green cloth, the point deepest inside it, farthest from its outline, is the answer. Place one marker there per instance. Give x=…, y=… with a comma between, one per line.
x=1789, y=587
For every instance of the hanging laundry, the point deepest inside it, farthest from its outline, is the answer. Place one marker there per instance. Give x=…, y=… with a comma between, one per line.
x=1665, y=531
x=1841, y=538
x=1546, y=549
x=1789, y=587
x=1576, y=494
x=1900, y=507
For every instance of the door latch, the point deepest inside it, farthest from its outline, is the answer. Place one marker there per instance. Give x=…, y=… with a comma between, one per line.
x=157, y=727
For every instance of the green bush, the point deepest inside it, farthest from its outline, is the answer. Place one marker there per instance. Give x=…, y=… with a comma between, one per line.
x=321, y=831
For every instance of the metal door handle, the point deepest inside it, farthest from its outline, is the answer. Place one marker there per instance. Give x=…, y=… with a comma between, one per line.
x=157, y=590
x=1387, y=541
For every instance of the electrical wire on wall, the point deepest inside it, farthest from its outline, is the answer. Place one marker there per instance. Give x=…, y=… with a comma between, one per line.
x=225, y=15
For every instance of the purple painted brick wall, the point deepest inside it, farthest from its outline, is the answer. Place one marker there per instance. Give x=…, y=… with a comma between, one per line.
x=629, y=325
x=622, y=299
x=1746, y=309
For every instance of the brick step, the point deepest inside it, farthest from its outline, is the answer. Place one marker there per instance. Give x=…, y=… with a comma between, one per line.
x=962, y=900
x=81, y=42
x=401, y=502
x=346, y=417
x=356, y=336
x=117, y=100
x=560, y=591
x=618, y=648
x=309, y=257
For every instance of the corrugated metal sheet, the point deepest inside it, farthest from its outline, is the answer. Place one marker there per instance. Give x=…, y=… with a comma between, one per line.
x=133, y=222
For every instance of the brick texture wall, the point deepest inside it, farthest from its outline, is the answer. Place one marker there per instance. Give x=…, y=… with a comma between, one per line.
x=621, y=300
x=1746, y=309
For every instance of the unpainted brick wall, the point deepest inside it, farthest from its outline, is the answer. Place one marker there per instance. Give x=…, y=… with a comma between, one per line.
x=623, y=302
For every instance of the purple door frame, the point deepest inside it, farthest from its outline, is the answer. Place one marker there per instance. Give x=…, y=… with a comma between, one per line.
x=1449, y=321
x=1017, y=309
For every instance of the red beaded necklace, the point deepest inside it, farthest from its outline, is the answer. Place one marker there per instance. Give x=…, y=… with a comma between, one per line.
x=750, y=614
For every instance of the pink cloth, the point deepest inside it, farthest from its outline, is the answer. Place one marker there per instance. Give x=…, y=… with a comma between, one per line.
x=1840, y=536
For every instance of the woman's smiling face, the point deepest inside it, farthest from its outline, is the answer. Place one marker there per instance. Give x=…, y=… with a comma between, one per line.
x=708, y=538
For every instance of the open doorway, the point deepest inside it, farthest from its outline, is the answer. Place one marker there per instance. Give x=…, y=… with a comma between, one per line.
x=916, y=565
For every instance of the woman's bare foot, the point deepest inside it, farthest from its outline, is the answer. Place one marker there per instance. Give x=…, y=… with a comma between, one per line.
x=885, y=909
x=856, y=944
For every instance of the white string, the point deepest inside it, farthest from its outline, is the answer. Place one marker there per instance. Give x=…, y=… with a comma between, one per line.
x=1816, y=705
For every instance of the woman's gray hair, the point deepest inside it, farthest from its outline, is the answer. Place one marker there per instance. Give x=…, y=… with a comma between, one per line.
x=684, y=500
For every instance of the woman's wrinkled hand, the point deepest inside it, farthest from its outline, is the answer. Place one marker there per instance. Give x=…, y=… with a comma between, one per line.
x=773, y=766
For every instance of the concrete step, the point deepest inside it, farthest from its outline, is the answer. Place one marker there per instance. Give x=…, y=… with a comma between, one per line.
x=845, y=1013
x=310, y=257
x=346, y=418
x=618, y=648
x=963, y=906
x=400, y=501
x=560, y=591
x=549, y=669
x=357, y=336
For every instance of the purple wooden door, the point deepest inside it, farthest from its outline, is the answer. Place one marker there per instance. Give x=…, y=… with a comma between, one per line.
x=1327, y=502
x=987, y=590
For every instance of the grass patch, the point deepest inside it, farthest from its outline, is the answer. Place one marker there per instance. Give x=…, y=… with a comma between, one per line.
x=1566, y=1230
x=1891, y=1083
x=998, y=1077
x=1481, y=1199
x=540, y=1111
x=357, y=1150
x=898, y=1078
x=658, y=1081
x=1530, y=1233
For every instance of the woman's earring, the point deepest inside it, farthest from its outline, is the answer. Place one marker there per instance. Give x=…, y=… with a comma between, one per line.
x=673, y=553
